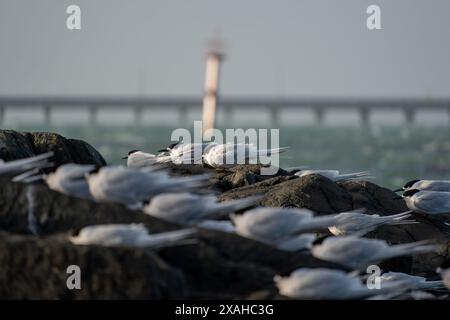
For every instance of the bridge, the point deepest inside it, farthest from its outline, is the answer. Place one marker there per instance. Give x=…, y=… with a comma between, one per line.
x=229, y=105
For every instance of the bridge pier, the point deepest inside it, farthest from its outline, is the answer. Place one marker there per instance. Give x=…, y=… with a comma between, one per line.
x=410, y=116
x=320, y=115
x=47, y=115
x=227, y=115
x=365, y=116
x=448, y=113
x=275, y=115
x=2, y=114
x=183, y=110
x=138, y=112
x=93, y=115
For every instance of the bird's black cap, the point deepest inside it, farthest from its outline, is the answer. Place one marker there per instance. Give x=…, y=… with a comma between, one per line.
x=410, y=193
x=130, y=153
x=171, y=146
x=409, y=184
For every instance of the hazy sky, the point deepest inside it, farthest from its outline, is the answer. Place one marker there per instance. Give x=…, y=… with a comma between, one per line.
x=275, y=48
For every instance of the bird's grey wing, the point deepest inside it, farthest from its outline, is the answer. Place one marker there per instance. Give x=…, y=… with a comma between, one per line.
x=72, y=170
x=131, y=188
x=77, y=188
x=433, y=202
x=351, y=253
x=179, y=209
x=273, y=228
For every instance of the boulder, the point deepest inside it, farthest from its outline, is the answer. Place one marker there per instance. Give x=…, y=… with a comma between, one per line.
x=16, y=145
x=225, y=179
x=314, y=192
x=220, y=265
x=245, y=175
x=373, y=198
x=36, y=268
x=37, y=209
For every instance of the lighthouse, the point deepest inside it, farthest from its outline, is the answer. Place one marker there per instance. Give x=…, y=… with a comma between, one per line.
x=212, y=77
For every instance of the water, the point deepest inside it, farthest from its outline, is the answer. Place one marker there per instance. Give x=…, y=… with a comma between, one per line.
x=393, y=154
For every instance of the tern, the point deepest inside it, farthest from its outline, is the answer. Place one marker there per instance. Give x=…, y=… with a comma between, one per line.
x=427, y=202
x=140, y=159
x=132, y=186
x=70, y=179
x=335, y=176
x=280, y=227
x=426, y=185
x=230, y=154
x=445, y=275
x=321, y=283
x=130, y=235
x=359, y=253
x=16, y=167
x=188, y=208
x=185, y=153
x=218, y=225
x=358, y=223
x=415, y=282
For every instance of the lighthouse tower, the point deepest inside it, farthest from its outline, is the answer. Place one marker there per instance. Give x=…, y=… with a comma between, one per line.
x=210, y=99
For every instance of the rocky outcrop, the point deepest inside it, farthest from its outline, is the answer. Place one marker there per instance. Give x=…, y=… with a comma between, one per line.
x=314, y=192
x=24, y=208
x=16, y=145
x=229, y=178
x=33, y=268
x=324, y=196
x=220, y=265
x=36, y=222
x=373, y=198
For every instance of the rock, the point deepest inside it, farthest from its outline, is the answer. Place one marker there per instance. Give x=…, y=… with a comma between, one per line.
x=220, y=265
x=37, y=269
x=245, y=175
x=379, y=200
x=230, y=178
x=239, y=249
x=373, y=198
x=16, y=145
x=326, y=197
x=50, y=212
x=314, y=192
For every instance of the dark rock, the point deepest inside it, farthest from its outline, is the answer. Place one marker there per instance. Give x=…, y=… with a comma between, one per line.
x=54, y=212
x=314, y=192
x=245, y=175
x=379, y=200
x=325, y=196
x=211, y=275
x=16, y=145
x=220, y=265
x=258, y=188
x=34, y=268
x=239, y=249
x=227, y=178
x=373, y=198
x=187, y=169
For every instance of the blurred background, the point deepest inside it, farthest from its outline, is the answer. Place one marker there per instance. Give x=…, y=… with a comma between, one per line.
x=343, y=96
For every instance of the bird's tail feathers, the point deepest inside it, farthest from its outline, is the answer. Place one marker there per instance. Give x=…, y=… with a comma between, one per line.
x=317, y=223
x=354, y=176
x=172, y=238
x=225, y=208
x=418, y=247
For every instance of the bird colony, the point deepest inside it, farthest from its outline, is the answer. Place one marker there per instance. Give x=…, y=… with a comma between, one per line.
x=145, y=184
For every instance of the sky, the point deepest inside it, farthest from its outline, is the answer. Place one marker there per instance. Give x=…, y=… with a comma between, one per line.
x=283, y=48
